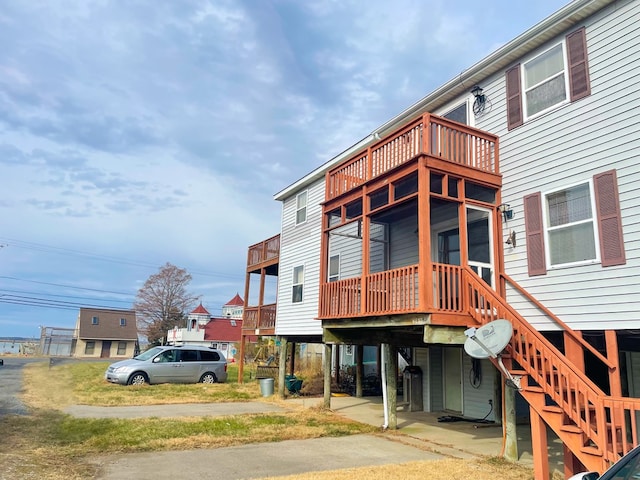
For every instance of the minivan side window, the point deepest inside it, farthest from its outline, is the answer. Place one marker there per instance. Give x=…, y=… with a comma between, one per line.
x=188, y=356
x=209, y=356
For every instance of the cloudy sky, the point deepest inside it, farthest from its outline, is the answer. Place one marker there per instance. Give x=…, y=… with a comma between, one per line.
x=135, y=133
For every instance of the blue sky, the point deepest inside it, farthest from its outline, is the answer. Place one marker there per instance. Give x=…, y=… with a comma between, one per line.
x=138, y=133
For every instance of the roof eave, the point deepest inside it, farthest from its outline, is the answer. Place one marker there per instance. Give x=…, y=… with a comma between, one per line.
x=568, y=16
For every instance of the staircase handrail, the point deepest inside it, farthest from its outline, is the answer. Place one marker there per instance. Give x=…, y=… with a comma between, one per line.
x=560, y=323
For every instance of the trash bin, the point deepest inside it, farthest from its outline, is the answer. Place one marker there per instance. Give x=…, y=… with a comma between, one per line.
x=293, y=384
x=266, y=386
x=412, y=388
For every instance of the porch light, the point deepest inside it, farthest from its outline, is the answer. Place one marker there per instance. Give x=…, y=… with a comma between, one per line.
x=480, y=101
x=506, y=211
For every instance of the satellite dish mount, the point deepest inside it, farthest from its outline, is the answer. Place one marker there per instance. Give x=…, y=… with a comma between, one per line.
x=488, y=341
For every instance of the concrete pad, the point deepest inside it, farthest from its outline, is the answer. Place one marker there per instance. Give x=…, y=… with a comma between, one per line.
x=261, y=460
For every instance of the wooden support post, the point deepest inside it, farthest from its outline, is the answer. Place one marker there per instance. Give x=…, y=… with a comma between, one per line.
x=511, y=436
x=391, y=370
x=615, y=382
x=292, y=359
x=359, y=369
x=539, y=446
x=326, y=360
x=282, y=366
x=574, y=350
x=243, y=339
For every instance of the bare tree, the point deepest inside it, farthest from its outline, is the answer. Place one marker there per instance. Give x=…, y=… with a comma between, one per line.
x=163, y=302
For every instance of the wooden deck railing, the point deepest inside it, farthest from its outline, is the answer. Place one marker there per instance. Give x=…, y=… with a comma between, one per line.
x=259, y=317
x=264, y=251
x=391, y=291
x=446, y=140
x=608, y=423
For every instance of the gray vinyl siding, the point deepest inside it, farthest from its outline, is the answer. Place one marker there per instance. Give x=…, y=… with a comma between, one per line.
x=421, y=356
x=404, y=243
x=300, y=245
x=476, y=400
x=378, y=248
x=568, y=145
x=346, y=243
x=436, y=396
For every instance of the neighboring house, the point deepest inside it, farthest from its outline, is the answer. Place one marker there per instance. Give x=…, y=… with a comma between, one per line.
x=514, y=200
x=105, y=333
x=221, y=333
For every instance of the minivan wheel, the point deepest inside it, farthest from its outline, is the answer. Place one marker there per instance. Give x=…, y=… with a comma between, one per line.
x=208, y=378
x=138, y=378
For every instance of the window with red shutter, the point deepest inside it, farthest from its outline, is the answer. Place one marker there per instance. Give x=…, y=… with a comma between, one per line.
x=540, y=83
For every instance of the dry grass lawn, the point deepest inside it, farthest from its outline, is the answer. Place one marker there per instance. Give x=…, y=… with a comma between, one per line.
x=50, y=445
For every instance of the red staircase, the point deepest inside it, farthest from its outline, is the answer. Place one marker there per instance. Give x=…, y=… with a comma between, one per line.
x=597, y=428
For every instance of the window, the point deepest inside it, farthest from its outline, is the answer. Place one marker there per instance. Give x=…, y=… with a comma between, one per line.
x=544, y=81
x=94, y=321
x=298, y=282
x=122, y=348
x=214, y=344
x=555, y=76
x=89, y=347
x=301, y=208
x=570, y=225
x=188, y=355
x=576, y=225
x=123, y=322
x=209, y=356
x=334, y=268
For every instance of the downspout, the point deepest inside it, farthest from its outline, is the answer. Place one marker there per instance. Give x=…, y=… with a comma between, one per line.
x=385, y=401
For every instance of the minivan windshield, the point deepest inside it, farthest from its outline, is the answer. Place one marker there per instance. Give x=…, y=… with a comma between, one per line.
x=152, y=352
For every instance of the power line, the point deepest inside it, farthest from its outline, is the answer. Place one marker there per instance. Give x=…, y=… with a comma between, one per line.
x=105, y=258
x=62, y=296
x=67, y=286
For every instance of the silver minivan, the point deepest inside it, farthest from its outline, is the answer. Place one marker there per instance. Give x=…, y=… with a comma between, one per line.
x=170, y=364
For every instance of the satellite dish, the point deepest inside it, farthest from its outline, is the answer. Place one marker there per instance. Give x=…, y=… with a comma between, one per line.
x=488, y=340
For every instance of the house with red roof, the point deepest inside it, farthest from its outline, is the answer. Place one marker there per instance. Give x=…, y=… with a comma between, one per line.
x=222, y=333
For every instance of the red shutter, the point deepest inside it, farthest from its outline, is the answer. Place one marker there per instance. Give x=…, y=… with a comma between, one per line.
x=609, y=219
x=514, y=97
x=534, y=232
x=579, y=84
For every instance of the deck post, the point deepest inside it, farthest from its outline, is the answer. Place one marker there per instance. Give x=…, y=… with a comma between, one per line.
x=326, y=360
x=511, y=437
x=359, y=369
x=391, y=372
x=539, y=446
x=282, y=366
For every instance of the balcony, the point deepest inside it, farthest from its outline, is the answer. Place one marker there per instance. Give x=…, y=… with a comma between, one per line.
x=394, y=292
x=429, y=135
x=264, y=253
x=259, y=318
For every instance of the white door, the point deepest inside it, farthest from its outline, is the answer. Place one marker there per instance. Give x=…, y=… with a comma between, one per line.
x=452, y=359
x=480, y=242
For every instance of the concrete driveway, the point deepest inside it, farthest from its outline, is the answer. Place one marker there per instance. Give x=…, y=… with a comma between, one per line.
x=263, y=460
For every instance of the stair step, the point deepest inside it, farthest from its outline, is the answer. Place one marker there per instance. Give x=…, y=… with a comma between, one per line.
x=534, y=389
x=591, y=450
x=553, y=409
x=571, y=429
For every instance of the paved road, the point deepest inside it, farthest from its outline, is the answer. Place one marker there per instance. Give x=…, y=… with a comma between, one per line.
x=11, y=384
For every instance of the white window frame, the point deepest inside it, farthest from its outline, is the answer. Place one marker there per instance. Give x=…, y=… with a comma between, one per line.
x=336, y=276
x=123, y=322
x=95, y=320
x=548, y=228
x=303, y=208
x=294, y=284
x=524, y=89
x=467, y=102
